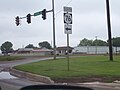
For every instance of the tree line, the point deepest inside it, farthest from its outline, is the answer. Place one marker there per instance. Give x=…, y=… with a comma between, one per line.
x=98, y=42
x=43, y=44
x=7, y=47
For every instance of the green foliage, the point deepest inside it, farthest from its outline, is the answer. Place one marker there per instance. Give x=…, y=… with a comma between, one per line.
x=30, y=46
x=10, y=58
x=6, y=47
x=45, y=44
x=79, y=66
x=116, y=41
x=99, y=43
x=87, y=42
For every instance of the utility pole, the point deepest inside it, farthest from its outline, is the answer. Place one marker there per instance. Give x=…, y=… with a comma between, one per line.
x=54, y=46
x=109, y=31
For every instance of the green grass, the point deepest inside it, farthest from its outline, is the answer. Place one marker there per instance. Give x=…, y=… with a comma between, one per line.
x=10, y=58
x=79, y=67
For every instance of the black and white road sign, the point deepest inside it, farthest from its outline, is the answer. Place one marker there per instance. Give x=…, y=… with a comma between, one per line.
x=68, y=29
x=68, y=9
x=68, y=18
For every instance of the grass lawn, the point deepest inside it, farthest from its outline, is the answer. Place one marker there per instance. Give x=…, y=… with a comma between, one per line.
x=10, y=58
x=83, y=66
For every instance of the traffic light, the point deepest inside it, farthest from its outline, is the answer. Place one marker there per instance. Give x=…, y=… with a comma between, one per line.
x=17, y=20
x=29, y=18
x=44, y=14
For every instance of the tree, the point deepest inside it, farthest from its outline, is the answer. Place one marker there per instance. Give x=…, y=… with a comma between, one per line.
x=85, y=42
x=116, y=41
x=45, y=44
x=99, y=43
x=30, y=46
x=6, y=47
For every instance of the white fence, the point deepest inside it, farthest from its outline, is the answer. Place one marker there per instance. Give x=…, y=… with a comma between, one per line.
x=94, y=50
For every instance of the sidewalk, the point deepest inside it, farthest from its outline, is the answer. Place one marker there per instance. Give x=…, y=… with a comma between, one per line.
x=101, y=86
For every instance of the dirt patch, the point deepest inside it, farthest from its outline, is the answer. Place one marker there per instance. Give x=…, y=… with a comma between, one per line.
x=87, y=79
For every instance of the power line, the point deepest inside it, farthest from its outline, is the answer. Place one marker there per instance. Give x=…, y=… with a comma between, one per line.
x=62, y=9
x=69, y=2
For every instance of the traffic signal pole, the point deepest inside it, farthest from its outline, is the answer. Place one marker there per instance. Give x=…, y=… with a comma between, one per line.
x=54, y=46
x=43, y=13
x=109, y=31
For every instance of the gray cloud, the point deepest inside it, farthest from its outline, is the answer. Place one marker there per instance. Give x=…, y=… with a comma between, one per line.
x=89, y=20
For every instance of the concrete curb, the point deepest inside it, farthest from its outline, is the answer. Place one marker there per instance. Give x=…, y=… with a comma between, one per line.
x=30, y=76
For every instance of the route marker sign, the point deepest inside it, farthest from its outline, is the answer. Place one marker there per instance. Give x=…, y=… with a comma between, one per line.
x=68, y=20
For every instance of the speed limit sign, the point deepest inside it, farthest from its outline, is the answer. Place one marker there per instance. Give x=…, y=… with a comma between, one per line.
x=68, y=18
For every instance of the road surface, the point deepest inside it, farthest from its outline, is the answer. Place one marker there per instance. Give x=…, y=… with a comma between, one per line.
x=9, y=64
x=17, y=83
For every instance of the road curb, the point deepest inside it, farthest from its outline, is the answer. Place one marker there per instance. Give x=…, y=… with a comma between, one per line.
x=30, y=76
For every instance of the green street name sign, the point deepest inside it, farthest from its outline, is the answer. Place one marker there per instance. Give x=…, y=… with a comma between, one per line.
x=37, y=13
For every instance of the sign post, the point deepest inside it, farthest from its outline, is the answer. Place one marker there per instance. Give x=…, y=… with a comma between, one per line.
x=68, y=27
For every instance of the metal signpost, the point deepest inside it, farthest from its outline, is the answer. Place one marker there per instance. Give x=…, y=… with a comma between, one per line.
x=68, y=27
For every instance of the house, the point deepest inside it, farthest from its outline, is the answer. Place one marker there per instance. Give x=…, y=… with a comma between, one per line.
x=39, y=51
x=24, y=50
x=43, y=51
x=63, y=50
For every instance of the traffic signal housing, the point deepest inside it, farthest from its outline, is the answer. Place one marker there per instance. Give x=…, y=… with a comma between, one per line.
x=44, y=14
x=17, y=19
x=29, y=18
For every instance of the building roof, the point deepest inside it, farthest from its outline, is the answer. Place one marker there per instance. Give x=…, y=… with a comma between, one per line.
x=42, y=50
x=35, y=49
x=25, y=49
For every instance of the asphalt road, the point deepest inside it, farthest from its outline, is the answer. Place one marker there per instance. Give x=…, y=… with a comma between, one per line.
x=9, y=64
x=17, y=83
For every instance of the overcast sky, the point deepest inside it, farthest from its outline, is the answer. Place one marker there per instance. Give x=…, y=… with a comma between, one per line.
x=89, y=20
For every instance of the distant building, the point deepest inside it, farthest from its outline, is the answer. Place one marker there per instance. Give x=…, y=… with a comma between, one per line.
x=41, y=51
x=24, y=50
x=94, y=50
x=63, y=50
